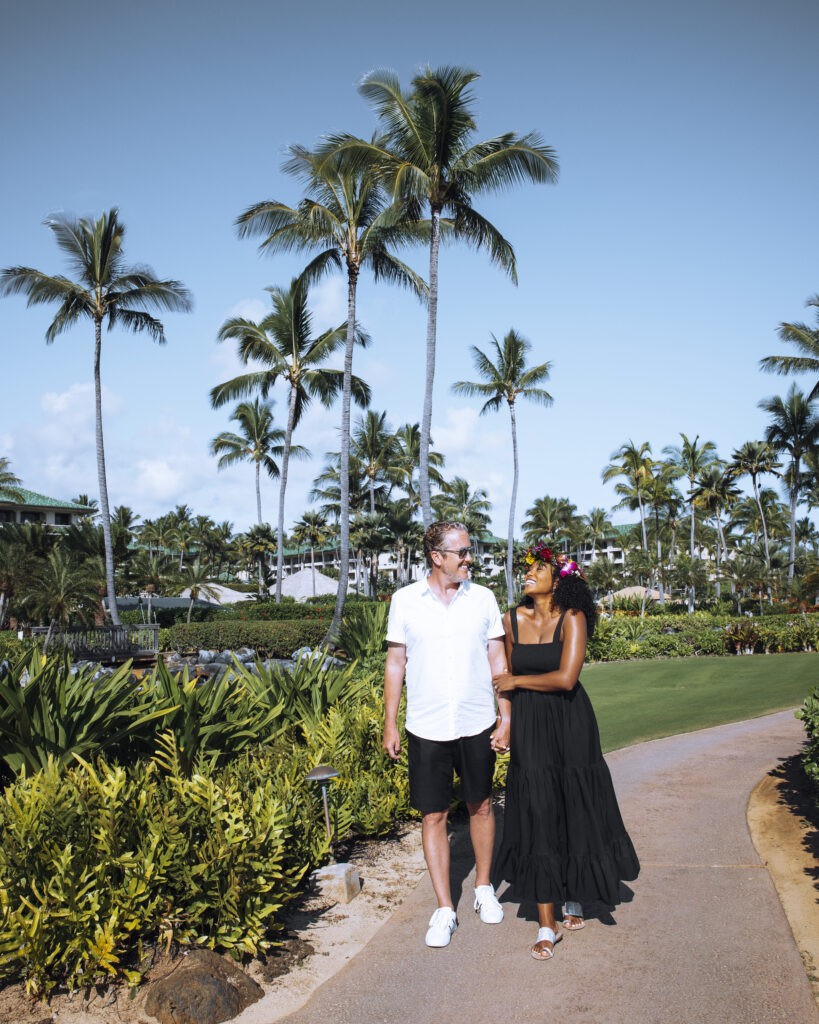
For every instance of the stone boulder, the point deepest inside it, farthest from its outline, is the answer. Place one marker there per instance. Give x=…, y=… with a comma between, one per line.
x=245, y=654
x=205, y=989
x=206, y=657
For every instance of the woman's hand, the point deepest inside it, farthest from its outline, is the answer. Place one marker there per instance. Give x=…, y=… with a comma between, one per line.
x=499, y=740
x=505, y=682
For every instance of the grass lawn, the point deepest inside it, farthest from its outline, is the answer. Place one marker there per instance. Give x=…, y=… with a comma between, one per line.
x=641, y=700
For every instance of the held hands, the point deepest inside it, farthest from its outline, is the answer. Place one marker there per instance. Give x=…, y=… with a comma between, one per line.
x=505, y=682
x=499, y=740
x=391, y=741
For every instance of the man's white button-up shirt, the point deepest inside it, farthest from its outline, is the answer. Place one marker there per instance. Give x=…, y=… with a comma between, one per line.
x=449, y=681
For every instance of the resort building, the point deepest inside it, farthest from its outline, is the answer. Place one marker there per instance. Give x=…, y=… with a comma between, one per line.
x=39, y=508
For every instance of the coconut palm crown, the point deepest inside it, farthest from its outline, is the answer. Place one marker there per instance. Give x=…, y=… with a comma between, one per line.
x=103, y=290
x=806, y=341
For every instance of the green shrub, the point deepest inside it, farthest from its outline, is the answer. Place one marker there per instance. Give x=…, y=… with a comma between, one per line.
x=50, y=711
x=11, y=648
x=98, y=857
x=363, y=630
x=251, y=611
x=809, y=715
x=268, y=639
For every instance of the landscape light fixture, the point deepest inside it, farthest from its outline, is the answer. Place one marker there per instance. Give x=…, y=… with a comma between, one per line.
x=323, y=773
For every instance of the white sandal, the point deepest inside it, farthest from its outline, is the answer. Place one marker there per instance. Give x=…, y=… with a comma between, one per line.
x=545, y=935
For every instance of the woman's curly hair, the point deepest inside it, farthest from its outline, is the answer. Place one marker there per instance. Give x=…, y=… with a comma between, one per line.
x=572, y=594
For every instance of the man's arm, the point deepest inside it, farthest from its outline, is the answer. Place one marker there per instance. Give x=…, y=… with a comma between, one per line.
x=393, y=685
x=497, y=663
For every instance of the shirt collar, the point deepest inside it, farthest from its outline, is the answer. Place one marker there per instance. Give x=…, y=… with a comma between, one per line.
x=426, y=589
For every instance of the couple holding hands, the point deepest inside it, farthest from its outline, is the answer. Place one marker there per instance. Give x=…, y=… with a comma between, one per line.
x=564, y=843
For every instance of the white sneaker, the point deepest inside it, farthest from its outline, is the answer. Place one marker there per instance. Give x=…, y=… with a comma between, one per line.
x=441, y=926
x=486, y=902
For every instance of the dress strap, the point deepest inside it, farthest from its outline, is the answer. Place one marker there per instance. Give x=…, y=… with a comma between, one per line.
x=513, y=618
x=556, y=635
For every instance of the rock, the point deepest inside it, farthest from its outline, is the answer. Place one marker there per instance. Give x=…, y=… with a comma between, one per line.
x=330, y=662
x=339, y=882
x=206, y=989
x=205, y=657
x=245, y=654
x=224, y=658
x=301, y=652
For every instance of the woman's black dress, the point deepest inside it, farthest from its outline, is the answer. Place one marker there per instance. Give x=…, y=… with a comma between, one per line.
x=563, y=836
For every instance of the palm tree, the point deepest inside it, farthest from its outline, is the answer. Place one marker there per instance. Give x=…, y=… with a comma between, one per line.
x=258, y=442
x=458, y=502
x=9, y=482
x=327, y=488
x=194, y=579
x=715, y=491
x=105, y=290
x=806, y=340
x=375, y=447
x=548, y=517
x=311, y=529
x=598, y=527
x=282, y=343
x=346, y=217
x=60, y=590
x=753, y=459
x=691, y=458
x=660, y=493
x=261, y=542
x=87, y=502
x=506, y=380
x=636, y=465
x=407, y=462
x=794, y=428
x=429, y=158
x=604, y=575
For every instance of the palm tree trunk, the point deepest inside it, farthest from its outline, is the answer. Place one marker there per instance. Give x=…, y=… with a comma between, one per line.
x=510, y=582
x=258, y=495
x=764, y=535
x=659, y=558
x=645, y=547
x=794, y=498
x=288, y=438
x=105, y=516
x=313, y=567
x=432, y=324
x=190, y=606
x=344, y=481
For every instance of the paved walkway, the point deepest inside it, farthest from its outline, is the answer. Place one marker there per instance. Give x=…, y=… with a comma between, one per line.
x=703, y=940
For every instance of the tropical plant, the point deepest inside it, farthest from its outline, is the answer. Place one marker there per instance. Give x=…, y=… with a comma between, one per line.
x=312, y=530
x=458, y=502
x=364, y=630
x=261, y=543
x=61, y=590
x=715, y=492
x=346, y=217
x=603, y=576
x=691, y=458
x=407, y=461
x=429, y=158
x=9, y=483
x=51, y=711
x=794, y=428
x=195, y=580
x=806, y=341
x=753, y=459
x=548, y=518
x=375, y=449
x=282, y=343
x=259, y=442
x=105, y=290
x=506, y=380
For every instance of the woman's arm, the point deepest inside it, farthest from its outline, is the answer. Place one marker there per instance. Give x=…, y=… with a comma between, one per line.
x=571, y=662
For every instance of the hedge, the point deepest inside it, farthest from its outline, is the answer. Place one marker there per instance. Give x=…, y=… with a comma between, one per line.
x=268, y=639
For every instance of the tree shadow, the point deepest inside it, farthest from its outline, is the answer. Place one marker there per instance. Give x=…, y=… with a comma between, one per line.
x=797, y=793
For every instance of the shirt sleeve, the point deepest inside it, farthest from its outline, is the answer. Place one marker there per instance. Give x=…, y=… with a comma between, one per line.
x=396, y=633
x=495, y=629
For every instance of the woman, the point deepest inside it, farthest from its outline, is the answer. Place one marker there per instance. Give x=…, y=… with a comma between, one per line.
x=564, y=839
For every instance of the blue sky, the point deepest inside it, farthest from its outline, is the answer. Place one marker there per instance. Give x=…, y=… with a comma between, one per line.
x=653, y=276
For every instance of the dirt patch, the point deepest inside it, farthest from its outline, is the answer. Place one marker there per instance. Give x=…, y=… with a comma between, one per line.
x=320, y=937
x=784, y=823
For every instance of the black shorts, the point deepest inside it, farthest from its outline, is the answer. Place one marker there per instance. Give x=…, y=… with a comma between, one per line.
x=432, y=763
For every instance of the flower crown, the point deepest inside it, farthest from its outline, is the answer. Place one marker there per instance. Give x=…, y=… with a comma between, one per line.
x=543, y=553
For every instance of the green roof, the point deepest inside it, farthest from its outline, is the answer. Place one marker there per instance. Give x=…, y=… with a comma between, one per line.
x=625, y=528
x=39, y=500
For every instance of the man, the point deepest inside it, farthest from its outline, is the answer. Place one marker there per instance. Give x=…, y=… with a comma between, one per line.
x=446, y=634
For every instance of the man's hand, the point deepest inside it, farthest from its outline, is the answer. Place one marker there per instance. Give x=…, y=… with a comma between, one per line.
x=504, y=682
x=499, y=739
x=391, y=741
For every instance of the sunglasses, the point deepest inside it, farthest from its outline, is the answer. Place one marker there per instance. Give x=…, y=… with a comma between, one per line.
x=460, y=552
